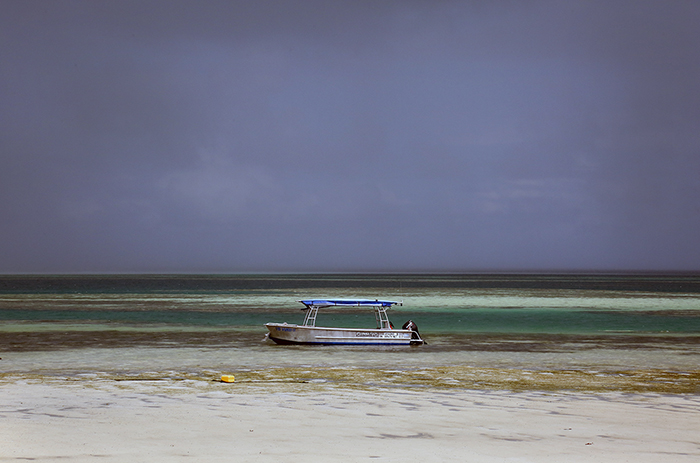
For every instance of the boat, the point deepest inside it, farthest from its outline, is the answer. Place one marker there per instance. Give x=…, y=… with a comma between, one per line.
x=309, y=333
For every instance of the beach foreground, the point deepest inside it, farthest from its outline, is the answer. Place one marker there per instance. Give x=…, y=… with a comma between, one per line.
x=198, y=420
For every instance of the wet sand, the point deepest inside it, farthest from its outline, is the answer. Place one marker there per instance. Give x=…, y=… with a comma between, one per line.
x=196, y=420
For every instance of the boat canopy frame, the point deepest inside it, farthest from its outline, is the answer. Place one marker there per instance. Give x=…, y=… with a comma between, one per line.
x=380, y=307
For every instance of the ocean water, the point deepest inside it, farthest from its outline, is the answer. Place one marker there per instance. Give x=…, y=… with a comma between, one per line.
x=549, y=332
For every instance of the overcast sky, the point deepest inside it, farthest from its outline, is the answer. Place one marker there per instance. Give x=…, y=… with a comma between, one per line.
x=236, y=136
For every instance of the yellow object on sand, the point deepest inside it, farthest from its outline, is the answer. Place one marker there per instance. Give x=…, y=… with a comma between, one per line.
x=227, y=378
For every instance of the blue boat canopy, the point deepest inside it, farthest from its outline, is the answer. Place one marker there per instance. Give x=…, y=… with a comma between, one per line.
x=348, y=302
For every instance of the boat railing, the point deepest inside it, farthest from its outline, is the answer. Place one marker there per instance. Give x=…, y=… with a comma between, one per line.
x=382, y=318
x=310, y=317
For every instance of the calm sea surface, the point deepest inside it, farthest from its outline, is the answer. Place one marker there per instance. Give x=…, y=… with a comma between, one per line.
x=512, y=331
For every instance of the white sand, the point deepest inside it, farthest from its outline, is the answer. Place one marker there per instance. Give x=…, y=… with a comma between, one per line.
x=197, y=421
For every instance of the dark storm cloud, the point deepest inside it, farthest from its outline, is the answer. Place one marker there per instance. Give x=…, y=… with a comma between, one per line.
x=234, y=136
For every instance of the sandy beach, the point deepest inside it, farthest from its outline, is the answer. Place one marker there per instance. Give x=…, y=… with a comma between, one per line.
x=195, y=420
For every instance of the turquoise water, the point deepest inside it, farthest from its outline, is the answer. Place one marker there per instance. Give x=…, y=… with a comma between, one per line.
x=454, y=321
x=438, y=305
x=88, y=324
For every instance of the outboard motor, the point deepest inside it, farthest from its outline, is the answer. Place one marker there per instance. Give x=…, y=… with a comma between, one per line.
x=411, y=325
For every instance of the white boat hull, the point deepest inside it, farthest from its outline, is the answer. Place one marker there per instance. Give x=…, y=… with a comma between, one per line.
x=283, y=333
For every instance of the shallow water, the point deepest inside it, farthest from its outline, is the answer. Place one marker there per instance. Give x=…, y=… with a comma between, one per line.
x=161, y=326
